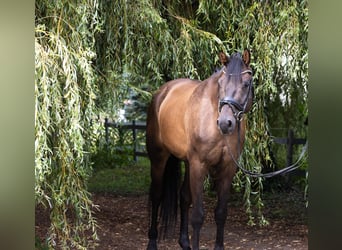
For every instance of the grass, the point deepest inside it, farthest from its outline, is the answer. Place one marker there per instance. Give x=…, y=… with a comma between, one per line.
x=39, y=245
x=128, y=180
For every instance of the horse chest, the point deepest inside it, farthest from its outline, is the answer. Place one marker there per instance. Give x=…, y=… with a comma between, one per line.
x=219, y=155
x=211, y=152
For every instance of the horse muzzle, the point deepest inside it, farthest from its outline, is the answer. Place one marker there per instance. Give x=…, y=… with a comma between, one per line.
x=226, y=124
x=230, y=112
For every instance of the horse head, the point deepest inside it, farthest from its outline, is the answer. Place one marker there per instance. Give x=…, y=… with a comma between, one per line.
x=236, y=93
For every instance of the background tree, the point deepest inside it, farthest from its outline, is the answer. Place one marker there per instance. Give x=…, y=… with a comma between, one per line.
x=91, y=56
x=65, y=90
x=162, y=40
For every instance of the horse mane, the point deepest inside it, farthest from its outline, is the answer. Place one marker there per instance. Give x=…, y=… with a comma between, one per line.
x=216, y=75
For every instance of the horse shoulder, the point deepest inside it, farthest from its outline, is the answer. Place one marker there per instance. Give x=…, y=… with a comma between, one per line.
x=171, y=115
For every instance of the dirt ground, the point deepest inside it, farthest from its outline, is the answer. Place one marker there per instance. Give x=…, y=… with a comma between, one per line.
x=123, y=224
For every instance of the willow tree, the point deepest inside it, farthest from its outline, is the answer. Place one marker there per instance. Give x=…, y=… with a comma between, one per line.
x=146, y=43
x=65, y=91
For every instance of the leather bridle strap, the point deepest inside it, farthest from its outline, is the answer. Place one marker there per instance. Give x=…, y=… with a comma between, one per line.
x=232, y=102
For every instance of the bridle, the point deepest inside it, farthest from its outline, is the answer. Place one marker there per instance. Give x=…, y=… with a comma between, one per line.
x=237, y=108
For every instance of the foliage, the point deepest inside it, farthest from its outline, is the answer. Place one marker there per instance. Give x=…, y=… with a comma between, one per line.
x=65, y=91
x=40, y=245
x=117, y=152
x=143, y=46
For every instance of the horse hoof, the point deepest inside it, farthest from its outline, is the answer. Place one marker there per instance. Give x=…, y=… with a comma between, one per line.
x=186, y=247
x=184, y=243
x=152, y=245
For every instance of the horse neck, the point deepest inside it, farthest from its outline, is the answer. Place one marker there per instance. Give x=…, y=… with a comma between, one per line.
x=211, y=91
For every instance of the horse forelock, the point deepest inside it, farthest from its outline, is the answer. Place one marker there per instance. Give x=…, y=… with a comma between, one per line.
x=235, y=64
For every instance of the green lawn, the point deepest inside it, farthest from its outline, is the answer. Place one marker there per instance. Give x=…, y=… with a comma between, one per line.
x=128, y=180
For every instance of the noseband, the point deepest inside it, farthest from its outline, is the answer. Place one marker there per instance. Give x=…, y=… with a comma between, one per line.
x=234, y=105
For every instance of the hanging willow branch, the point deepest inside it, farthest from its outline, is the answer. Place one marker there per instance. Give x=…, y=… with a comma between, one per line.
x=65, y=92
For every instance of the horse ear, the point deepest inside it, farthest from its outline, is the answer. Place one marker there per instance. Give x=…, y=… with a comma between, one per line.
x=246, y=57
x=224, y=59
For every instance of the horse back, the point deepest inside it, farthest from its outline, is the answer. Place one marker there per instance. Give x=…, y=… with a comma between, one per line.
x=166, y=117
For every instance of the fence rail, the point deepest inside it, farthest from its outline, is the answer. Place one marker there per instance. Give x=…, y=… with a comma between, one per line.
x=289, y=141
x=134, y=126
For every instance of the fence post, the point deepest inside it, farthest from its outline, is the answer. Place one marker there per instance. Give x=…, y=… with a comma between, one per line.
x=290, y=142
x=134, y=141
x=134, y=126
x=106, y=131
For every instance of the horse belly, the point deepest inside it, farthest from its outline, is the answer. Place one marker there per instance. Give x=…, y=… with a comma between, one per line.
x=171, y=119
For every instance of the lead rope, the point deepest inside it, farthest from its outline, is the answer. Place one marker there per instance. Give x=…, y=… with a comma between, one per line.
x=266, y=175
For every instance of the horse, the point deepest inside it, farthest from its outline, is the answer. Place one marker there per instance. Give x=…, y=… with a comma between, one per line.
x=202, y=124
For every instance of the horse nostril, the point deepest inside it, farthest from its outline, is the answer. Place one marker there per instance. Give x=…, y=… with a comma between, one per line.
x=217, y=121
x=229, y=123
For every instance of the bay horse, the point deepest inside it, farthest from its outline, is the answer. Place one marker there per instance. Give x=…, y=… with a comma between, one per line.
x=200, y=123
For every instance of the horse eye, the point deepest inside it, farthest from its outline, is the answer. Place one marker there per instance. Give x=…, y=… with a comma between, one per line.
x=246, y=84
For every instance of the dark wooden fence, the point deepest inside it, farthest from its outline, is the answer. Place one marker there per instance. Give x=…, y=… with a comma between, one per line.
x=134, y=126
x=290, y=140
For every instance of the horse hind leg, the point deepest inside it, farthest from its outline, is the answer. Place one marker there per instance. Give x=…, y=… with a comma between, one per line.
x=155, y=195
x=165, y=175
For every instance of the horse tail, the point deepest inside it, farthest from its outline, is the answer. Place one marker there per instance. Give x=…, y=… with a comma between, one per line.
x=169, y=200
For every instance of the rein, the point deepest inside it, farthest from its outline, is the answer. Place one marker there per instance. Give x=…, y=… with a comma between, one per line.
x=271, y=174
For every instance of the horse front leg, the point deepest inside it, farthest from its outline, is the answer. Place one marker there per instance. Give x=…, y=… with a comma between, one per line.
x=185, y=201
x=220, y=219
x=197, y=173
x=223, y=190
